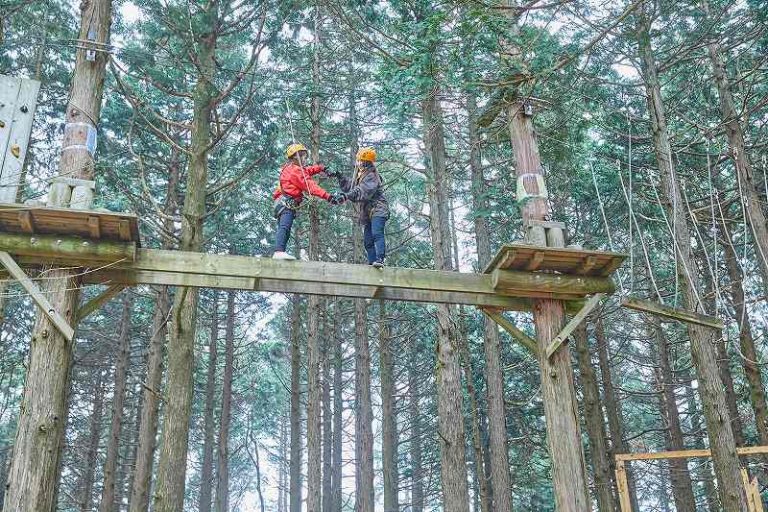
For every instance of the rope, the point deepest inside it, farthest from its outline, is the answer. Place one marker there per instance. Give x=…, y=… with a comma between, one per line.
x=630, y=201
x=605, y=220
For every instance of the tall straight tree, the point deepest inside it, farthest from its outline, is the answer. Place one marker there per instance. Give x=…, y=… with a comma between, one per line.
x=296, y=442
x=449, y=395
x=593, y=421
x=37, y=448
x=150, y=403
x=497, y=418
x=206, y=472
x=722, y=443
x=225, y=419
x=314, y=420
x=108, y=495
x=389, y=441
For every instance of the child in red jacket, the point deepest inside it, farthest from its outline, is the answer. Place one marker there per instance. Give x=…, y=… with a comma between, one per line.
x=295, y=181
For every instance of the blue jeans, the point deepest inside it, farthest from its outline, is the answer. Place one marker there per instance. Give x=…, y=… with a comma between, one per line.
x=373, y=238
x=284, y=224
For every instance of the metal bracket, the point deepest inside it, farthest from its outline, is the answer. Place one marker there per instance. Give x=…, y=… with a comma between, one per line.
x=17, y=273
x=575, y=321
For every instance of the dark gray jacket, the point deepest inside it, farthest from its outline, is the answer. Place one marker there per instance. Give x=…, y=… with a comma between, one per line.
x=365, y=189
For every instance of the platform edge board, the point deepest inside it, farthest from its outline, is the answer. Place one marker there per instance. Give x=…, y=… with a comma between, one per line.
x=50, y=216
x=562, y=254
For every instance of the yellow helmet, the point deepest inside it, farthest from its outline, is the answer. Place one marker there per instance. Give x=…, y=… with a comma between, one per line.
x=293, y=149
x=367, y=154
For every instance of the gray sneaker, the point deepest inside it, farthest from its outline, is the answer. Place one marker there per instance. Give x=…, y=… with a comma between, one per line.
x=378, y=264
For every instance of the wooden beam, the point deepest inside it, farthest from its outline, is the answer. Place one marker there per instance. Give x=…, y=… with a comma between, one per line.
x=535, y=262
x=430, y=281
x=622, y=486
x=79, y=251
x=98, y=301
x=575, y=321
x=94, y=227
x=154, y=277
x=680, y=315
x=687, y=454
x=513, y=331
x=31, y=288
x=124, y=230
x=548, y=286
x=588, y=264
x=26, y=222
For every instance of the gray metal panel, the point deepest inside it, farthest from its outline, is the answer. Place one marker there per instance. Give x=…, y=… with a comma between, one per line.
x=9, y=91
x=18, y=139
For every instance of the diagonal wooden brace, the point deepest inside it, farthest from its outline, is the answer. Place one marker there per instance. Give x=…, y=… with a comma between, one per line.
x=98, y=301
x=513, y=331
x=31, y=288
x=575, y=321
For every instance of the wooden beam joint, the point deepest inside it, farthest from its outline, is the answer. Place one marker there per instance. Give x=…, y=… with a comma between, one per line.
x=42, y=302
x=566, y=331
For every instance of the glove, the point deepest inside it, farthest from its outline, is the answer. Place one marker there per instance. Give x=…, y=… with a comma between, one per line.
x=337, y=198
x=332, y=173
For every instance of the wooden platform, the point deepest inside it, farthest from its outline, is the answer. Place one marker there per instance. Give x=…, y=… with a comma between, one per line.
x=88, y=224
x=578, y=262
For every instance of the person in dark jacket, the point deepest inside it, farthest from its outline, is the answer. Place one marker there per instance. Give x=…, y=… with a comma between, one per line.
x=366, y=190
x=296, y=180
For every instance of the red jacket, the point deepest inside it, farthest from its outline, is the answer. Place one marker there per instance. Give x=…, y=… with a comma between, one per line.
x=295, y=181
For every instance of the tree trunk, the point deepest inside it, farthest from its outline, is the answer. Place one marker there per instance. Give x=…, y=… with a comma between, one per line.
x=746, y=338
x=338, y=413
x=449, y=395
x=222, y=462
x=296, y=438
x=364, y=490
x=414, y=416
x=497, y=418
x=171, y=472
x=206, y=473
x=593, y=420
x=118, y=401
x=148, y=422
x=327, y=418
x=474, y=418
x=682, y=490
x=563, y=431
x=314, y=423
x=613, y=409
x=704, y=354
x=704, y=470
x=389, y=442
x=282, y=502
x=33, y=475
x=752, y=202
x=86, y=501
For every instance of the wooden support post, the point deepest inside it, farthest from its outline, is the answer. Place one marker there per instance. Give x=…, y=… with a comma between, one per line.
x=31, y=288
x=98, y=301
x=575, y=321
x=513, y=331
x=680, y=315
x=623, y=487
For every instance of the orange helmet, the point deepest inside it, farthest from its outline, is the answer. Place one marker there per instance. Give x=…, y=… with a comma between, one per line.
x=367, y=154
x=293, y=149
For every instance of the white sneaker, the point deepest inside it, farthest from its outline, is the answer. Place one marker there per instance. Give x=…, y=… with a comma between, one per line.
x=281, y=255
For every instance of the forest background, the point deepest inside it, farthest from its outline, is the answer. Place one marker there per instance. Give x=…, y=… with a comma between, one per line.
x=415, y=79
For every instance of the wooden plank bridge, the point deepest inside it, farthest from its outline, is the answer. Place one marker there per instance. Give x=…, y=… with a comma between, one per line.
x=106, y=245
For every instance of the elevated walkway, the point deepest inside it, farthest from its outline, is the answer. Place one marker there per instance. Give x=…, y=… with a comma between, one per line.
x=107, y=245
